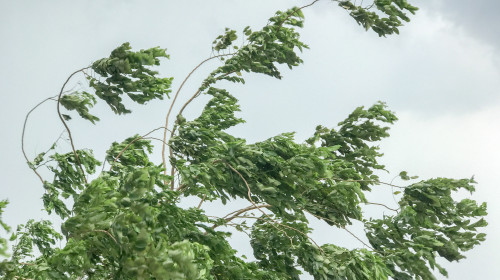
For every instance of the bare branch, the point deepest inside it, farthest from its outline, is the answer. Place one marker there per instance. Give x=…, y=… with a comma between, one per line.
x=326, y=219
x=24, y=130
x=201, y=202
x=370, y=181
x=381, y=204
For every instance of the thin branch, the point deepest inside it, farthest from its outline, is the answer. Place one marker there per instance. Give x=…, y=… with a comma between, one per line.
x=243, y=210
x=172, y=105
x=370, y=181
x=254, y=204
x=137, y=139
x=237, y=213
x=109, y=234
x=24, y=130
x=383, y=205
x=202, y=200
x=326, y=219
x=196, y=94
x=66, y=125
x=308, y=5
x=354, y=235
x=269, y=217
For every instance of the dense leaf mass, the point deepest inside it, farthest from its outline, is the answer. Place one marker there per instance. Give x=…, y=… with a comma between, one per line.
x=126, y=222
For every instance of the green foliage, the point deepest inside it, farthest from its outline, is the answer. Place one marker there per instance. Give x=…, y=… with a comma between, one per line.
x=352, y=138
x=80, y=102
x=68, y=179
x=5, y=227
x=127, y=72
x=126, y=222
x=386, y=21
x=430, y=224
x=130, y=154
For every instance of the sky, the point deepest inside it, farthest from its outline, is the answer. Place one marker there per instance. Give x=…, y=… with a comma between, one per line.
x=441, y=76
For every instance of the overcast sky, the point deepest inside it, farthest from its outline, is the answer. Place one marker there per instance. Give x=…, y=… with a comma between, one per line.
x=441, y=76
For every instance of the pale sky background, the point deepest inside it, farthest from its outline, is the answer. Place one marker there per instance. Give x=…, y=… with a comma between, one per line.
x=441, y=76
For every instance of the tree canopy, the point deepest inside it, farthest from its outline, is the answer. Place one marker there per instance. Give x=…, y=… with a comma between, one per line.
x=122, y=218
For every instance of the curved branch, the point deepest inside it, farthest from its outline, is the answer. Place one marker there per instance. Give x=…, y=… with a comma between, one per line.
x=172, y=106
x=254, y=204
x=66, y=125
x=24, y=130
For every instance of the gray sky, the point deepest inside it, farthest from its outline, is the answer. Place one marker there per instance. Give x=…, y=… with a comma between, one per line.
x=441, y=76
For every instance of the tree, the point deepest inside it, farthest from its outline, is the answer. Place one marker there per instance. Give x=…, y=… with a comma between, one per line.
x=125, y=222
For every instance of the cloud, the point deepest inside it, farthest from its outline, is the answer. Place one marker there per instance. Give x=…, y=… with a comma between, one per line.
x=479, y=18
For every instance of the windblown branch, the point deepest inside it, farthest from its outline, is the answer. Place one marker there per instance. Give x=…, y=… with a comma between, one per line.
x=24, y=130
x=370, y=181
x=381, y=204
x=66, y=125
x=172, y=106
x=139, y=138
x=269, y=217
x=202, y=200
x=296, y=10
x=236, y=214
x=326, y=219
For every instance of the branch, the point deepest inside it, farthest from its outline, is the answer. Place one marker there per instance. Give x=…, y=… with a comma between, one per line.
x=381, y=204
x=172, y=105
x=254, y=204
x=109, y=234
x=66, y=125
x=24, y=130
x=201, y=202
x=237, y=213
x=298, y=9
x=364, y=243
x=370, y=181
x=196, y=94
x=139, y=138
x=326, y=219
x=269, y=217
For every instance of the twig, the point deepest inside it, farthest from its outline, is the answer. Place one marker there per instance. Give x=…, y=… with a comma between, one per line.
x=201, y=202
x=326, y=219
x=109, y=234
x=66, y=125
x=196, y=94
x=354, y=235
x=369, y=181
x=237, y=213
x=254, y=204
x=383, y=205
x=308, y=5
x=24, y=130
